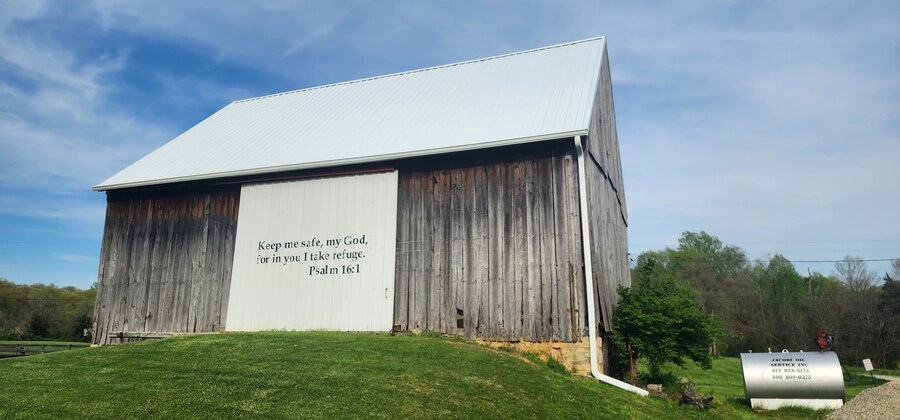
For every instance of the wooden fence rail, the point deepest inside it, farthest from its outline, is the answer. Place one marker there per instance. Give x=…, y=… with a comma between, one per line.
x=16, y=350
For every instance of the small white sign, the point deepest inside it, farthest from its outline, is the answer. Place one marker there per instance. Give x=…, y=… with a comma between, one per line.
x=868, y=364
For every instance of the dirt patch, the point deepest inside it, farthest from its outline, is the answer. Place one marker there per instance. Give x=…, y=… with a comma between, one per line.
x=469, y=346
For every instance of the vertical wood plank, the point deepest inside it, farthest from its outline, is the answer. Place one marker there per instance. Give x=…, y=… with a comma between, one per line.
x=495, y=252
x=437, y=280
x=560, y=298
x=457, y=260
x=424, y=207
x=521, y=261
x=480, y=252
x=104, y=279
x=575, y=258
x=403, y=251
x=469, y=290
x=510, y=257
x=232, y=210
x=530, y=309
x=547, y=262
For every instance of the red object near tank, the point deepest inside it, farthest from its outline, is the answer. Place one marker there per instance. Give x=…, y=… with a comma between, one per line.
x=822, y=341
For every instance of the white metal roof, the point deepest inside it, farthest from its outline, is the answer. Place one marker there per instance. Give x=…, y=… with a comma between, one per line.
x=515, y=98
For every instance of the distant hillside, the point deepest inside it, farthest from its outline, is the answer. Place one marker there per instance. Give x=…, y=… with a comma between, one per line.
x=41, y=312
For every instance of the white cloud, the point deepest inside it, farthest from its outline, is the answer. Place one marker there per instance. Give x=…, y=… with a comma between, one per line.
x=60, y=132
x=77, y=258
x=779, y=126
x=758, y=122
x=236, y=31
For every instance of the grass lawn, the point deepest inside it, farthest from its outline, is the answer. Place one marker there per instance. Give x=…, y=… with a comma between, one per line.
x=328, y=374
x=859, y=370
x=311, y=374
x=725, y=382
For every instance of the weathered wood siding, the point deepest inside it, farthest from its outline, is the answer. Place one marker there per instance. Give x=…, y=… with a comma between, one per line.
x=494, y=246
x=606, y=202
x=165, y=263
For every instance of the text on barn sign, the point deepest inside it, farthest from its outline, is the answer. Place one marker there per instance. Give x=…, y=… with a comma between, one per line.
x=344, y=253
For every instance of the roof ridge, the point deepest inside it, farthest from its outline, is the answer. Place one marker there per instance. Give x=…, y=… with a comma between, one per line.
x=478, y=60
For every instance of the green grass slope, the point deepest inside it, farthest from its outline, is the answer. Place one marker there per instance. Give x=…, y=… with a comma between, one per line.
x=311, y=374
x=329, y=374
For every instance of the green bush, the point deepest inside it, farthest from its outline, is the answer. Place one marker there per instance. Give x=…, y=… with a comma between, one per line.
x=661, y=323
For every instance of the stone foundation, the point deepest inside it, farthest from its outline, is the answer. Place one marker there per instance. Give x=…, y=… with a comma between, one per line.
x=576, y=356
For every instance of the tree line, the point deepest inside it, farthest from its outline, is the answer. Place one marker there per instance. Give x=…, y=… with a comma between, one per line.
x=41, y=312
x=751, y=306
x=762, y=305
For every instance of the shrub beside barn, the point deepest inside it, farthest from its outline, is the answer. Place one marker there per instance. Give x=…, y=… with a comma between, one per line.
x=473, y=199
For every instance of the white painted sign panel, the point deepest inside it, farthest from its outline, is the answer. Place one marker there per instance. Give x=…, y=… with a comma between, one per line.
x=867, y=363
x=315, y=254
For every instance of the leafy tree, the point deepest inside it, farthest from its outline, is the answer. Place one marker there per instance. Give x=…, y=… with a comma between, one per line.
x=660, y=322
x=889, y=306
x=717, y=273
x=770, y=305
x=39, y=326
x=726, y=260
x=860, y=325
x=890, y=297
x=895, y=270
x=41, y=311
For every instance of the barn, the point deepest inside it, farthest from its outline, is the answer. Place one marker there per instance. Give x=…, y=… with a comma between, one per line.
x=481, y=198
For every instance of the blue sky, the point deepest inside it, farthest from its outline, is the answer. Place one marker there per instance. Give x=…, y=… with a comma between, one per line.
x=773, y=125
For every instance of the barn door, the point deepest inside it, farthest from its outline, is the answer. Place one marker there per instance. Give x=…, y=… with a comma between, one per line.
x=315, y=254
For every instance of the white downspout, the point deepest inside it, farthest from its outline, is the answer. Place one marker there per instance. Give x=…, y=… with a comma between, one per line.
x=589, y=278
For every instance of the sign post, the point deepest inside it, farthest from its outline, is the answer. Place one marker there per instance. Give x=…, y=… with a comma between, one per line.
x=868, y=365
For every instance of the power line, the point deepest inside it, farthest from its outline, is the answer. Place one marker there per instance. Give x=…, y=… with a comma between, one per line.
x=767, y=260
x=820, y=242
x=792, y=243
x=826, y=261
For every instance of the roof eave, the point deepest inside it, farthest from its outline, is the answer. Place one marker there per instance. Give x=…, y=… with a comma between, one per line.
x=341, y=162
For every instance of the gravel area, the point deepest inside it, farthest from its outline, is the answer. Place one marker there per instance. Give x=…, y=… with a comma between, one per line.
x=881, y=402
